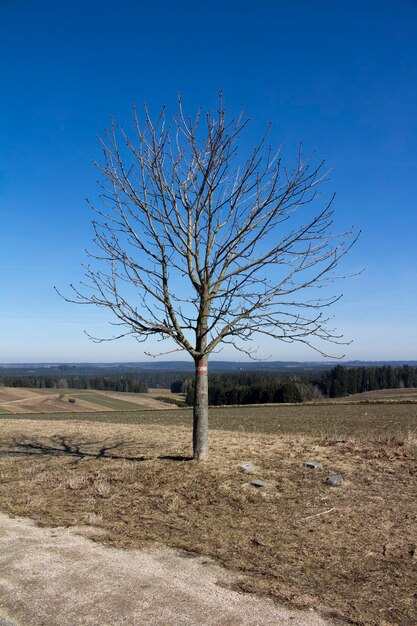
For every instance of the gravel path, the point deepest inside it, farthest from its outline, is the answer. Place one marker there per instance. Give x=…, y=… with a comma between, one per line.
x=60, y=577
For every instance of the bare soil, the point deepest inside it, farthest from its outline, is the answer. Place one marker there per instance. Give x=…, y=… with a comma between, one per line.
x=348, y=552
x=408, y=394
x=364, y=421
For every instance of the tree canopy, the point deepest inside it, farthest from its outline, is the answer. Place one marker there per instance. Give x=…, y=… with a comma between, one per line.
x=204, y=246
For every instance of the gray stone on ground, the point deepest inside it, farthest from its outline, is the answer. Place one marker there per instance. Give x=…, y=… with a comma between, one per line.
x=313, y=464
x=247, y=467
x=334, y=480
x=261, y=484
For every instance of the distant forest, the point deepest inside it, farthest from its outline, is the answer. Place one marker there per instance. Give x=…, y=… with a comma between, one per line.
x=128, y=382
x=345, y=381
x=263, y=388
x=249, y=387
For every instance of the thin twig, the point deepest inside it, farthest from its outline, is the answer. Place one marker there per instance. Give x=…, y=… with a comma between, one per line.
x=304, y=519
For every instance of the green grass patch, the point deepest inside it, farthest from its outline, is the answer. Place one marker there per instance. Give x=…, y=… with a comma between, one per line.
x=110, y=403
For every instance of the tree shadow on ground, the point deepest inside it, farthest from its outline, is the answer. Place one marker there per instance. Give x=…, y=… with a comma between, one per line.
x=170, y=457
x=63, y=446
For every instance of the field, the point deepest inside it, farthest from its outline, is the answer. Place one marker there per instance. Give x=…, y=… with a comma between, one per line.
x=24, y=400
x=348, y=551
x=384, y=395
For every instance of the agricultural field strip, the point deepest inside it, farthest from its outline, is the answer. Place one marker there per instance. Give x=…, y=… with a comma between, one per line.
x=341, y=420
x=90, y=398
x=18, y=400
x=141, y=401
x=111, y=403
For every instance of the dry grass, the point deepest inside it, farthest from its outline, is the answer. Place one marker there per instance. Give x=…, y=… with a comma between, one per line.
x=350, y=549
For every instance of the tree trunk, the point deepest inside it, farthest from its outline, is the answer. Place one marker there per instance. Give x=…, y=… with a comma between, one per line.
x=200, y=426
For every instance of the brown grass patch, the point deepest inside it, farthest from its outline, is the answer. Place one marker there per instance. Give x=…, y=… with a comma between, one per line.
x=350, y=549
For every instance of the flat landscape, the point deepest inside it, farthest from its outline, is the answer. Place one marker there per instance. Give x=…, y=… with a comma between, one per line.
x=25, y=400
x=347, y=551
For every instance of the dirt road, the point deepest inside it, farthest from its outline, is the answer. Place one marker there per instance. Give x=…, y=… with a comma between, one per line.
x=61, y=577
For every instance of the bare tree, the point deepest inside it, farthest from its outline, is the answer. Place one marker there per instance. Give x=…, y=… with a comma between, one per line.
x=193, y=247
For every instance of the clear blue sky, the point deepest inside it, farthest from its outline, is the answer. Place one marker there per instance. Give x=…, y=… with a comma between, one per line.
x=339, y=76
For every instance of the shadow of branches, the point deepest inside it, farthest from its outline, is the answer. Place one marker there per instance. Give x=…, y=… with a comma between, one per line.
x=64, y=446
x=59, y=445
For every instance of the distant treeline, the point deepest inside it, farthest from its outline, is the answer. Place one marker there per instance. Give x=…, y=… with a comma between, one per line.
x=250, y=387
x=130, y=383
x=264, y=388
x=136, y=382
x=344, y=381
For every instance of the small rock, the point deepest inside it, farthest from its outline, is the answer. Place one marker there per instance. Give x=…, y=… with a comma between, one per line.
x=334, y=480
x=260, y=484
x=313, y=464
x=247, y=467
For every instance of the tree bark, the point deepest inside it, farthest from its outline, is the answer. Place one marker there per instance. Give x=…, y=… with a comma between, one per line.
x=200, y=426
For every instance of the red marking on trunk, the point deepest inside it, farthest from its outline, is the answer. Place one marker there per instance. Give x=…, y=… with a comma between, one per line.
x=202, y=369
